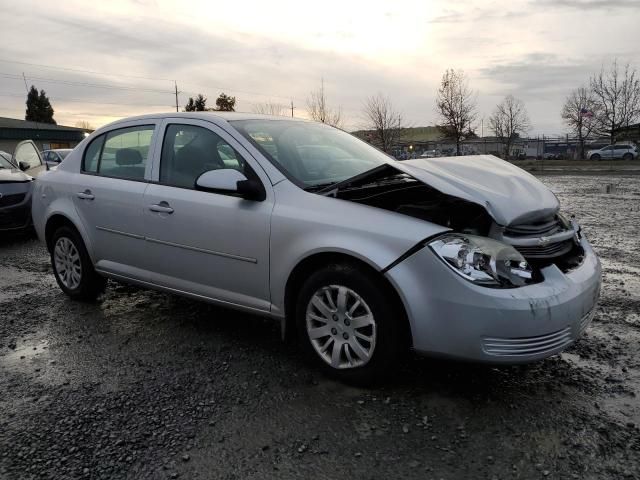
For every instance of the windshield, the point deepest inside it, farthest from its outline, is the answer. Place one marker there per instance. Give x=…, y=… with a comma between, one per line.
x=4, y=161
x=312, y=154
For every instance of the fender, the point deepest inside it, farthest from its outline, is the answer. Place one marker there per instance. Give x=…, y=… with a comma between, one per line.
x=47, y=203
x=376, y=237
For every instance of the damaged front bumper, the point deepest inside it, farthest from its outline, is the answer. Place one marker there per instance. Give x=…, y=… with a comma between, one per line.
x=450, y=316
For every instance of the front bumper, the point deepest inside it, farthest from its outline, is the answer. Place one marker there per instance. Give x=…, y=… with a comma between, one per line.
x=450, y=316
x=16, y=216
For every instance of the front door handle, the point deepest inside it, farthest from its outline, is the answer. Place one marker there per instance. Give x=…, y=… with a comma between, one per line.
x=86, y=195
x=162, y=207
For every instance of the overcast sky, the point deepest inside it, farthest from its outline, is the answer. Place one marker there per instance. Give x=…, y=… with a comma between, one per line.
x=537, y=50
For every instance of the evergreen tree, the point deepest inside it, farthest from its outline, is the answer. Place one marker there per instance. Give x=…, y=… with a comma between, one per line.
x=197, y=105
x=225, y=103
x=39, y=107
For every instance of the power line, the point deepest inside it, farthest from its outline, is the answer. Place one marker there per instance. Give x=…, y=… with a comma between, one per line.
x=94, y=72
x=84, y=84
x=80, y=100
x=80, y=70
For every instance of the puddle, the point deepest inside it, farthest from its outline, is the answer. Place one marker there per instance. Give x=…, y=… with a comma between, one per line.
x=28, y=351
x=15, y=283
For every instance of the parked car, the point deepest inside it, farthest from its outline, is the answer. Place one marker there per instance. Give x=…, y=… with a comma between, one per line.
x=17, y=172
x=55, y=156
x=625, y=151
x=429, y=154
x=361, y=255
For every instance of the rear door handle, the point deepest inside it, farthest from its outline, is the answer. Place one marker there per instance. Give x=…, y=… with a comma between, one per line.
x=86, y=195
x=162, y=207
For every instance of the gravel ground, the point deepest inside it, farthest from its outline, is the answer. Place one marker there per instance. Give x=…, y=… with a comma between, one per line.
x=148, y=385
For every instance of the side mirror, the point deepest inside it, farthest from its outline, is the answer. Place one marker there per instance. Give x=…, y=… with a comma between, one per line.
x=228, y=180
x=24, y=166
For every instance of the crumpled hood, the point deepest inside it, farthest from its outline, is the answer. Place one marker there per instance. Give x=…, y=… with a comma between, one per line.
x=13, y=175
x=508, y=193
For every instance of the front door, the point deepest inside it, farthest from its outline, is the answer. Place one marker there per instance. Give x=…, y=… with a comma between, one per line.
x=28, y=159
x=210, y=244
x=108, y=195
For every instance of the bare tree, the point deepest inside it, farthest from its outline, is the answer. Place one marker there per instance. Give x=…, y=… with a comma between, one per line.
x=85, y=125
x=509, y=120
x=618, y=96
x=320, y=111
x=579, y=114
x=383, y=120
x=269, y=108
x=456, y=106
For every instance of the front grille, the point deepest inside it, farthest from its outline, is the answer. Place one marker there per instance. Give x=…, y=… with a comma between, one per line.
x=552, y=250
x=526, y=346
x=541, y=228
x=8, y=200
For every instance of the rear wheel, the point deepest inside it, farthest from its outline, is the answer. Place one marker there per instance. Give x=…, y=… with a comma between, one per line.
x=348, y=324
x=627, y=156
x=72, y=266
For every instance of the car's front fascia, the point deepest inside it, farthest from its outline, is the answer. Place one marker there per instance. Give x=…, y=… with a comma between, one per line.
x=452, y=317
x=15, y=200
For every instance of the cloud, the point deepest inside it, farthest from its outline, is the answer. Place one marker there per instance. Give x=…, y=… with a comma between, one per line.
x=588, y=4
x=538, y=74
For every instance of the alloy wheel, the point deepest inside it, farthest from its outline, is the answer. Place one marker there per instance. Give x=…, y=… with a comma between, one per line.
x=341, y=327
x=67, y=262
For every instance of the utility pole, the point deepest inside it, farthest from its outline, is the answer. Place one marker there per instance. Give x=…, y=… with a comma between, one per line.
x=175, y=84
x=292, y=108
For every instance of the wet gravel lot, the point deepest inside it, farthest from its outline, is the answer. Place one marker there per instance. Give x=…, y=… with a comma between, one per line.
x=148, y=385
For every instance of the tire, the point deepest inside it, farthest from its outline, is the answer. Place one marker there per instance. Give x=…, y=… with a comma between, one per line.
x=627, y=156
x=347, y=355
x=595, y=156
x=72, y=266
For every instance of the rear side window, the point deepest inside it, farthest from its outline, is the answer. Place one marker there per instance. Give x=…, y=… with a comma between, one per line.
x=120, y=153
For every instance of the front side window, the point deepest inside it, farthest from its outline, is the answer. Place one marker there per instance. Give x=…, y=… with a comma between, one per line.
x=189, y=150
x=311, y=154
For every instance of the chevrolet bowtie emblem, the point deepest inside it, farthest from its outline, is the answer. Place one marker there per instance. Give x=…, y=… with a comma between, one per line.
x=544, y=241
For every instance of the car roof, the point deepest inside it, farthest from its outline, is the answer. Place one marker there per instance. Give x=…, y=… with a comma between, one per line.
x=211, y=116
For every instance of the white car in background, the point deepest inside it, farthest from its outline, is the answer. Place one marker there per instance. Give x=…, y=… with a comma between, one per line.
x=361, y=255
x=625, y=151
x=55, y=156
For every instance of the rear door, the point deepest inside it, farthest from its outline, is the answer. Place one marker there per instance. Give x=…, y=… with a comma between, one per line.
x=621, y=150
x=211, y=244
x=27, y=157
x=108, y=196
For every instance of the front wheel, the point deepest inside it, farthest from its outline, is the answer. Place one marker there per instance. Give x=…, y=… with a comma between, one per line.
x=72, y=266
x=595, y=156
x=348, y=324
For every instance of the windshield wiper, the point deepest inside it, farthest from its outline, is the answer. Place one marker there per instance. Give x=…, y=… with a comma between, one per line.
x=319, y=186
x=381, y=171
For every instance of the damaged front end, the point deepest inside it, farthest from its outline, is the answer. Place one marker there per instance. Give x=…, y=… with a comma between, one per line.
x=476, y=197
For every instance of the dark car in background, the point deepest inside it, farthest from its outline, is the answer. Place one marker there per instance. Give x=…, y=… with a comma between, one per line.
x=16, y=185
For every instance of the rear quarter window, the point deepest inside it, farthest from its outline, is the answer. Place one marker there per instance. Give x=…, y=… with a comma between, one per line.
x=92, y=154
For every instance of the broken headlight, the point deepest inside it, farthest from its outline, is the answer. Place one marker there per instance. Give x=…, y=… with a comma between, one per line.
x=482, y=260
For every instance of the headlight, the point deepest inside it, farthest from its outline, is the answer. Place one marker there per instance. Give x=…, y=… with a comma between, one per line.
x=482, y=260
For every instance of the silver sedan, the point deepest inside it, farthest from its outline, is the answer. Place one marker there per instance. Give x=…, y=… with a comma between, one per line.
x=359, y=256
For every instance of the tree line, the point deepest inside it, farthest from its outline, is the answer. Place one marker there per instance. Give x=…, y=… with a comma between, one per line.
x=605, y=105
